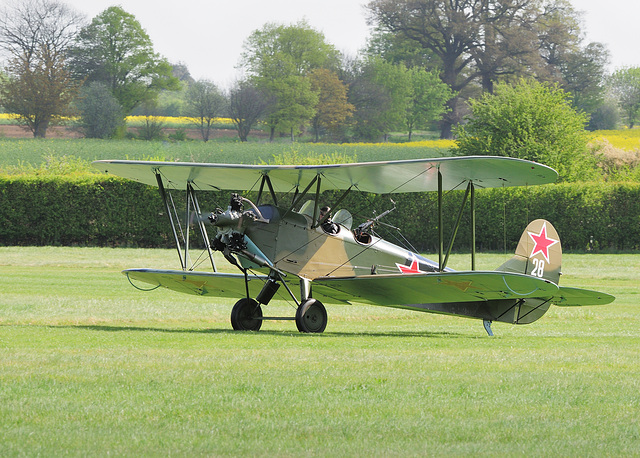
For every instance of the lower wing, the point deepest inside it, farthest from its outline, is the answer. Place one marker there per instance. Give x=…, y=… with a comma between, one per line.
x=217, y=284
x=441, y=287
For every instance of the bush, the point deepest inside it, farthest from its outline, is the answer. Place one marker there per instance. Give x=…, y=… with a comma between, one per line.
x=100, y=113
x=103, y=211
x=530, y=121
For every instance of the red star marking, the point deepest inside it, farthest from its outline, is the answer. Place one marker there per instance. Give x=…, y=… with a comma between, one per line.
x=414, y=268
x=542, y=242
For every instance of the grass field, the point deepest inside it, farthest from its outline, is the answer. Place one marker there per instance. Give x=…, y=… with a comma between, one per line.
x=91, y=366
x=23, y=154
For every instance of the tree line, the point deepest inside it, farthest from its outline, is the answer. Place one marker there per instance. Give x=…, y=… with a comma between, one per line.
x=425, y=61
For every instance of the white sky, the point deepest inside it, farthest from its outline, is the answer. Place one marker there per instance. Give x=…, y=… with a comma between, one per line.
x=207, y=35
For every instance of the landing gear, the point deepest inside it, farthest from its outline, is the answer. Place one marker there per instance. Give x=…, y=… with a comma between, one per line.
x=311, y=316
x=246, y=315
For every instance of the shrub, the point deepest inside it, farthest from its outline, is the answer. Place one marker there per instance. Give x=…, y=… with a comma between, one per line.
x=104, y=211
x=530, y=121
x=100, y=113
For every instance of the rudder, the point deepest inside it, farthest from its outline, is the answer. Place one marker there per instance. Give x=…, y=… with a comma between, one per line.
x=539, y=252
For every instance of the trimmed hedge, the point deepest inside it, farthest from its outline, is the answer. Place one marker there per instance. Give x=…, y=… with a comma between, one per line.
x=96, y=210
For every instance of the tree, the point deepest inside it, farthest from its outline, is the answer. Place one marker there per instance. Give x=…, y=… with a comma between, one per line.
x=281, y=50
x=584, y=75
x=625, y=87
x=480, y=40
x=370, y=100
x=333, y=107
x=35, y=34
x=428, y=99
x=247, y=104
x=115, y=50
x=530, y=120
x=293, y=104
x=100, y=113
x=278, y=59
x=204, y=104
x=453, y=32
x=396, y=80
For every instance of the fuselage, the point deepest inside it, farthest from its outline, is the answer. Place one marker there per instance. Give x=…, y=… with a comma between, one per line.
x=292, y=243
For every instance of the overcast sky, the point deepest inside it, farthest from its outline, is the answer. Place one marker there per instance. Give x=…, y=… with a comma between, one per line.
x=207, y=35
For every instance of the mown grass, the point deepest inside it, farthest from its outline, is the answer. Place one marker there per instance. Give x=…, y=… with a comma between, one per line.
x=90, y=366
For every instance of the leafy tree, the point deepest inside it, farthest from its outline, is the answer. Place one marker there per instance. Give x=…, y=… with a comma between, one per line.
x=204, y=104
x=279, y=58
x=370, y=100
x=452, y=31
x=395, y=79
x=100, y=113
x=625, y=87
x=605, y=117
x=116, y=50
x=35, y=34
x=398, y=49
x=479, y=40
x=531, y=121
x=281, y=50
x=333, y=108
x=584, y=75
x=294, y=104
x=247, y=104
x=428, y=99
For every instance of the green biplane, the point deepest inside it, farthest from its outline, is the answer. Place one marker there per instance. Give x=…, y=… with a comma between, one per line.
x=299, y=246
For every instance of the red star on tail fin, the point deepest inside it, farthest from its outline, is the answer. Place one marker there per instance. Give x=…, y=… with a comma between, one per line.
x=542, y=242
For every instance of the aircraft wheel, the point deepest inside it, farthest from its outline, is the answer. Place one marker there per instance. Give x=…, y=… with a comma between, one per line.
x=246, y=314
x=311, y=316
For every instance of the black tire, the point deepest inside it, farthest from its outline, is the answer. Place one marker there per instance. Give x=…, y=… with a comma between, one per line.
x=246, y=315
x=311, y=316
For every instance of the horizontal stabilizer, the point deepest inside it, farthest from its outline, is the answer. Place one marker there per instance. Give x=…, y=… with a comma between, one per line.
x=569, y=297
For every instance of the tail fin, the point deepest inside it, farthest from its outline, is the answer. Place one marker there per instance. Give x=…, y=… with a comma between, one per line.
x=538, y=253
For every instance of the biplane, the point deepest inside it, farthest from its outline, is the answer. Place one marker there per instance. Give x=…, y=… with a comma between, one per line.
x=320, y=258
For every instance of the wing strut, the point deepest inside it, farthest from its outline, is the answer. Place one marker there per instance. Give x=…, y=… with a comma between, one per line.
x=301, y=195
x=473, y=225
x=267, y=180
x=470, y=194
x=440, y=228
x=191, y=198
x=163, y=193
x=457, y=225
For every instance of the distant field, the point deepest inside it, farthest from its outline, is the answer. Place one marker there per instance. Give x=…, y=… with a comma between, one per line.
x=90, y=366
x=626, y=139
x=33, y=152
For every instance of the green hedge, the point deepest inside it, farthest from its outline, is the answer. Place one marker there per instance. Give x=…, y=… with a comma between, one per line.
x=100, y=211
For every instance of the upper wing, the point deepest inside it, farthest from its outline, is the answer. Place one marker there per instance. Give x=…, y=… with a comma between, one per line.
x=417, y=175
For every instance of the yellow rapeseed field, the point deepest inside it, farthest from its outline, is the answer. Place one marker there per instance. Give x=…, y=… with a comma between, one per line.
x=172, y=120
x=626, y=139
